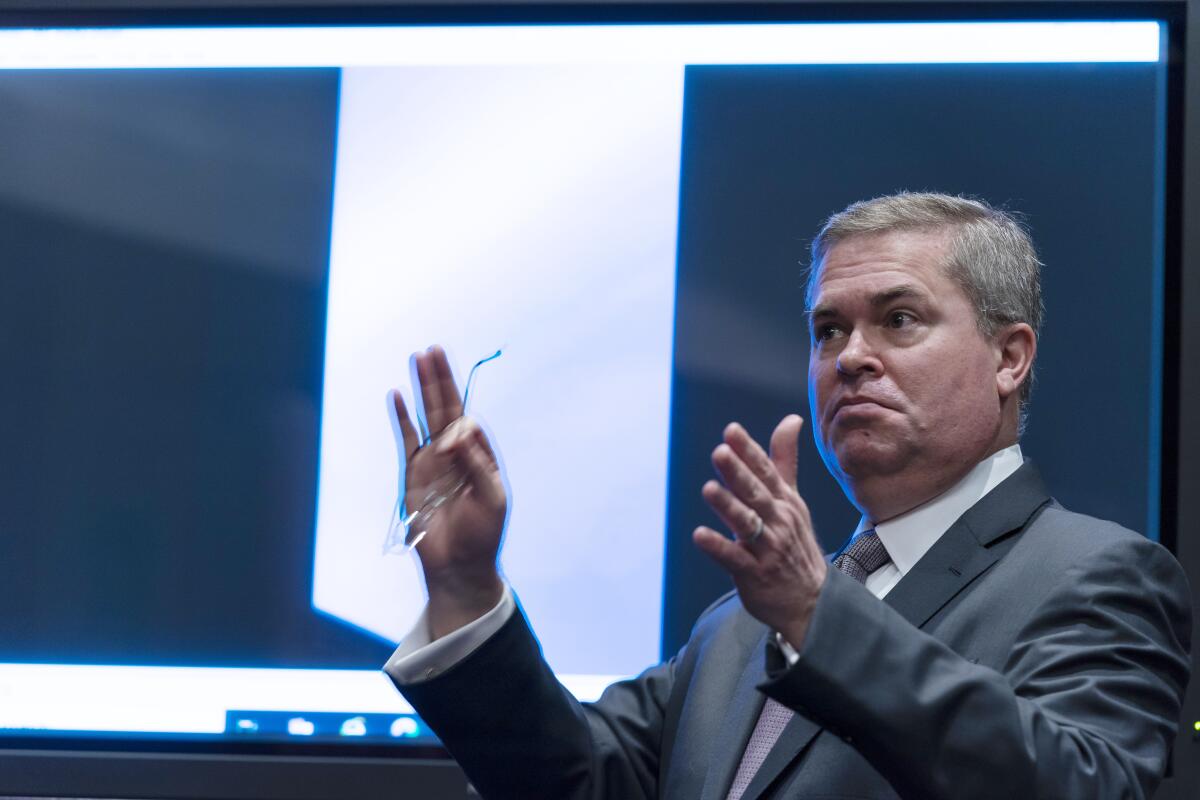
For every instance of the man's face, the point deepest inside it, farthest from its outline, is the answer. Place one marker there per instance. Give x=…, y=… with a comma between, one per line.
x=902, y=384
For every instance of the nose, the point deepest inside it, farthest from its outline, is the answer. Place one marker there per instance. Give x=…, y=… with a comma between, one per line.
x=858, y=357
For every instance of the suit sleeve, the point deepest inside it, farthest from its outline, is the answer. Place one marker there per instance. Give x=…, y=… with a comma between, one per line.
x=1087, y=705
x=517, y=733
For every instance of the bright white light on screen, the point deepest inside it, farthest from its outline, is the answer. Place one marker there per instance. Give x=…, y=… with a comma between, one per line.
x=64, y=697
x=792, y=43
x=532, y=208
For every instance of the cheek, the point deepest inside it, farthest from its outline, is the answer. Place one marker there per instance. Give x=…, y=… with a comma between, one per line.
x=821, y=382
x=944, y=382
x=958, y=394
x=818, y=382
x=975, y=373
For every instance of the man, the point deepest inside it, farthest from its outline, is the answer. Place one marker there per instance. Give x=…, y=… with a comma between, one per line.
x=1019, y=650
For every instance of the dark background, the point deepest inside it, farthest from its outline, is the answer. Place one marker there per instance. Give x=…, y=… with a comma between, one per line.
x=166, y=244
x=770, y=152
x=165, y=322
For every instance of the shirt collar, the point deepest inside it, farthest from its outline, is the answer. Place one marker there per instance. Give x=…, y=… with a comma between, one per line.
x=910, y=535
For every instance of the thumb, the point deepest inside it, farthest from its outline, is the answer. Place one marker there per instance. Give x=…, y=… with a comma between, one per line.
x=785, y=447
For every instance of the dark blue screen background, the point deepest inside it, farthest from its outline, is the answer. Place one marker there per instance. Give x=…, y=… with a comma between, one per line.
x=770, y=152
x=164, y=238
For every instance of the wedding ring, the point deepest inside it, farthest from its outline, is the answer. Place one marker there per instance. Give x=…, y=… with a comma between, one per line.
x=758, y=531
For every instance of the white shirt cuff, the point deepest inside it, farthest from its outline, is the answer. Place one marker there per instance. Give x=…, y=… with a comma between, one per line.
x=789, y=653
x=419, y=659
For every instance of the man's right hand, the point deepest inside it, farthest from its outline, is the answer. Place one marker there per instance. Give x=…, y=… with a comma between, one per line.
x=462, y=540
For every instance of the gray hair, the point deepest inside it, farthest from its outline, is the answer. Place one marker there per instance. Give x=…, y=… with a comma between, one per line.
x=991, y=254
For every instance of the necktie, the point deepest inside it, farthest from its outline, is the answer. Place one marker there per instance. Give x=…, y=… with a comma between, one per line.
x=865, y=555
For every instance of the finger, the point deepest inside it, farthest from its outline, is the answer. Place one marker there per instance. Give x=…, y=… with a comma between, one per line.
x=741, y=480
x=785, y=448
x=732, y=557
x=452, y=407
x=754, y=457
x=737, y=516
x=431, y=394
x=408, y=439
x=415, y=368
x=468, y=444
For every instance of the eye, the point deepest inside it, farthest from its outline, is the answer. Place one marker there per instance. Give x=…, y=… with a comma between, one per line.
x=900, y=319
x=825, y=332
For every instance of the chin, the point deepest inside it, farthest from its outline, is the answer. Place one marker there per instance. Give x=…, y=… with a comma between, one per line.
x=861, y=455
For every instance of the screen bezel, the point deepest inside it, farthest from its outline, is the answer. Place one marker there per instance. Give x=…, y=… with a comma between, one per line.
x=129, y=766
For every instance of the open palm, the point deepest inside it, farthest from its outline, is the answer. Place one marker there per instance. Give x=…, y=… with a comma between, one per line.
x=453, y=487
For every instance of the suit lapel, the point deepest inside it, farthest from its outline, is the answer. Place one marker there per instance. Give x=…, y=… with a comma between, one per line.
x=966, y=550
x=952, y=563
x=791, y=743
x=744, y=709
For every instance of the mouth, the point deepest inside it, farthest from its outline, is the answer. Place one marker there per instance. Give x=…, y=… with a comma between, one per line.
x=860, y=400
x=859, y=406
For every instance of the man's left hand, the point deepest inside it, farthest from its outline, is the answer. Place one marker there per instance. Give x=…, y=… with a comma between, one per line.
x=774, y=558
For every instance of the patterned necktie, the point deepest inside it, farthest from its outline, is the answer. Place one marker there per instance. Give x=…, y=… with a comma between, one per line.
x=865, y=555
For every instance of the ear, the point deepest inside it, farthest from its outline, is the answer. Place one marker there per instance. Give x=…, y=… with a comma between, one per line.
x=1017, y=347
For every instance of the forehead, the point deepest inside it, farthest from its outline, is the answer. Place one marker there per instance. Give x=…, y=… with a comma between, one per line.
x=870, y=263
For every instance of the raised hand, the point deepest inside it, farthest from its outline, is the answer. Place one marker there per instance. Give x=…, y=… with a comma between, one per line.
x=774, y=558
x=453, y=483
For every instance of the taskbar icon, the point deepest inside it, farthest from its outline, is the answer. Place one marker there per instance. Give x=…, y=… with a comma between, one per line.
x=328, y=726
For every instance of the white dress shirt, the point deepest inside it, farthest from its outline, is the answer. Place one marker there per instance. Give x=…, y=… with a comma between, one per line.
x=910, y=535
x=906, y=538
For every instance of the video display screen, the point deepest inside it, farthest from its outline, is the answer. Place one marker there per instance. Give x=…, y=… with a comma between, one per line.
x=219, y=247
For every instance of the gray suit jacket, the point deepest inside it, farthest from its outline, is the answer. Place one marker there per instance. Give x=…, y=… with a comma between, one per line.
x=1032, y=652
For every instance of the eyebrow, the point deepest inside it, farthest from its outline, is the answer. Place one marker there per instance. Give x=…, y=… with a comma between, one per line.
x=824, y=311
